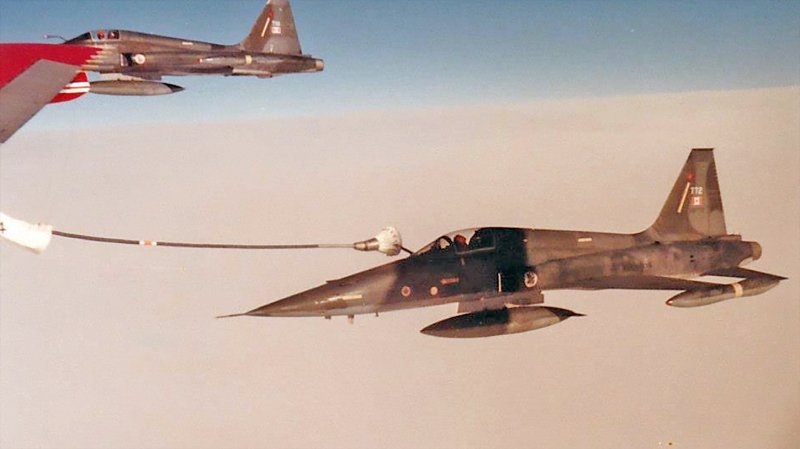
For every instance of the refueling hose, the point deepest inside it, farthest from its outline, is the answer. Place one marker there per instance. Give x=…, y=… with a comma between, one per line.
x=94, y=238
x=36, y=237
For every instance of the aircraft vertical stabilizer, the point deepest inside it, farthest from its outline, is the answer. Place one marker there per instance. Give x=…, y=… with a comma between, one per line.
x=693, y=209
x=274, y=31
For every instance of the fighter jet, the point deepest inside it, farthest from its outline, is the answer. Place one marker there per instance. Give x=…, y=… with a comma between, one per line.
x=132, y=63
x=498, y=275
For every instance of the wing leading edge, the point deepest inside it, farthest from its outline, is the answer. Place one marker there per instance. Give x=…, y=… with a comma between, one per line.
x=695, y=293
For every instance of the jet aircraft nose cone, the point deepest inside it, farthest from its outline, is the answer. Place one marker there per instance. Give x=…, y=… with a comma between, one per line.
x=319, y=64
x=315, y=302
x=565, y=313
x=298, y=305
x=174, y=87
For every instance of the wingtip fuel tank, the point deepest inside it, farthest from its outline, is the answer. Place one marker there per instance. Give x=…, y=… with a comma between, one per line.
x=133, y=87
x=489, y=323
x=706, y=296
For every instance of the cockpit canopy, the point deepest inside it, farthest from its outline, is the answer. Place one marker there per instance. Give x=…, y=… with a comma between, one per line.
x=461, y=243
x=96, y=36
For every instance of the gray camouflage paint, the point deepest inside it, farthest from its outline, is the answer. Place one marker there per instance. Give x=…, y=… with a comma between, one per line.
x=498, y=269
x=272, y=48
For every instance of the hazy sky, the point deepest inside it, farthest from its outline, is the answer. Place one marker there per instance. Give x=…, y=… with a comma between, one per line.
x=431, y=116
x=384, y=54
x=106, y=346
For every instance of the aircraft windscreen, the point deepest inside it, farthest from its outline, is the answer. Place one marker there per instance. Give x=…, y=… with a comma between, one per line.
x=465, y=241
x=97, y=35
x=83, y=37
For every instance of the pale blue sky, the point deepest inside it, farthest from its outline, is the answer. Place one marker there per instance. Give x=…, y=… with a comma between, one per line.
x=384, y=54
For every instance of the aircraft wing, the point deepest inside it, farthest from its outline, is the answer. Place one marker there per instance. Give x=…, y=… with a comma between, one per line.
x=498, y=300
x=668, y=283
x=472, y=303
x=738, y=272
x=31, y=75
x=642, y=283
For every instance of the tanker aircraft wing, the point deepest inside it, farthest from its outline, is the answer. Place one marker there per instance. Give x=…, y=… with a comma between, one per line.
x=33, y=75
